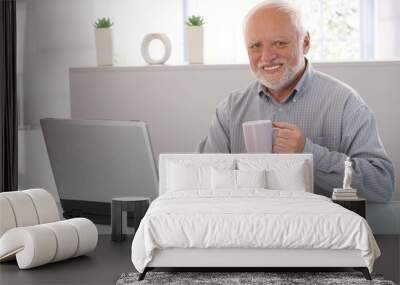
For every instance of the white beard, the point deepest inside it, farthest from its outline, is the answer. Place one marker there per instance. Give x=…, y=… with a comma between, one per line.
x=289, y=75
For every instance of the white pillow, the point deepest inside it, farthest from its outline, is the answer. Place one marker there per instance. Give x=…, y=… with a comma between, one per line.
x=187, y=174
x=251, y=178
x=237, y=179
x=181, y=177
x=292, y=178
x=223, y=179
x=282, y=174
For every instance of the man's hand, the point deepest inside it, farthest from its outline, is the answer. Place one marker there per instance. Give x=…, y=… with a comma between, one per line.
x=289, y=138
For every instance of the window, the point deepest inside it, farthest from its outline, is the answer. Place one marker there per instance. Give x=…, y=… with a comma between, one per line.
x=334, y=28
x=339, y=29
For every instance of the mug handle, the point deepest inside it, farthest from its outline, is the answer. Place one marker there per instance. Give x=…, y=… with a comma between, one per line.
x=274, y=133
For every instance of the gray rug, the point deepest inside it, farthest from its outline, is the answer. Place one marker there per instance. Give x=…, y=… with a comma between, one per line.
x=273, y=278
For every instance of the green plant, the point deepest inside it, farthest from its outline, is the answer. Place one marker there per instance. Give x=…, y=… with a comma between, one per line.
x=196, y=21
x=102, y=23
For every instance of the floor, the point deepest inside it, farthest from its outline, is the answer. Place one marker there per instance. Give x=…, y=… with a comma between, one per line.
x=95, y=268
x=111, y=259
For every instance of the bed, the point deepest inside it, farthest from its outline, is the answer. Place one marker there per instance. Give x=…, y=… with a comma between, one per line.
x=245, y=211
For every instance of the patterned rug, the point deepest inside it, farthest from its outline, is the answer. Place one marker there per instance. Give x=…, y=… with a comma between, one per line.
x=273, y=278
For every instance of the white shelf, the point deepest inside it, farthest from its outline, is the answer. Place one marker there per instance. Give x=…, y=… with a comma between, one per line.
x=166, y=67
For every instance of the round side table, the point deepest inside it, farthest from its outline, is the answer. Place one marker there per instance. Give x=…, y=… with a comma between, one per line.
x=137, y=205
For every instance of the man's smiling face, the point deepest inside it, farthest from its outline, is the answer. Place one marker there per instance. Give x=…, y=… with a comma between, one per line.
x=275, y=47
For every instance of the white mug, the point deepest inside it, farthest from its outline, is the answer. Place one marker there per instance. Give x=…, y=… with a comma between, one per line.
x=259, y=136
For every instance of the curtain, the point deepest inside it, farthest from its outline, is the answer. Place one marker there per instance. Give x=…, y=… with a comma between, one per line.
x=8, y=97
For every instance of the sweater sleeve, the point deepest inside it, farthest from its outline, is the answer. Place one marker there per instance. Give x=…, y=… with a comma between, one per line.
x=373, y=173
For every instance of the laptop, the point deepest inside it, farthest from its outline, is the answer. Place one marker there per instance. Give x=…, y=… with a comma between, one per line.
x=94, y=161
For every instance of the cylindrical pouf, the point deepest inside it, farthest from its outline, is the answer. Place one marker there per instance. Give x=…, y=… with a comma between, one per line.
x=40, y=244
x=7, y=218
x=45, y=205
x=87, y=235
x=33, y=246
x=23, y=208
x=67, y=239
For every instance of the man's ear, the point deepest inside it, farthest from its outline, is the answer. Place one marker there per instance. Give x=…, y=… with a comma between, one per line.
x=306, y=43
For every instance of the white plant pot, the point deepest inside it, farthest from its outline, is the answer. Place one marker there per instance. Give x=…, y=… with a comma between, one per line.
x=195, y=41
x=104, y=46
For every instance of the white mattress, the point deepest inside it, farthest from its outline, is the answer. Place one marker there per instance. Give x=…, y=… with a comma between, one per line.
x=251, y=218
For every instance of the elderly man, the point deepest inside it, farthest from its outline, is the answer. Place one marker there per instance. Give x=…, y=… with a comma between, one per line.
x=314, y=112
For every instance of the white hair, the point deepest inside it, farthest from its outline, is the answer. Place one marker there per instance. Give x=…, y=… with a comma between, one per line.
x=284, y=6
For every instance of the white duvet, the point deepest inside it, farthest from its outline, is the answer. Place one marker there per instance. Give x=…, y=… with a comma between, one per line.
x=250, y=218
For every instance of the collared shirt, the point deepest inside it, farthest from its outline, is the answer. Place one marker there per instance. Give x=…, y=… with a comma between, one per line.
x=335, y=120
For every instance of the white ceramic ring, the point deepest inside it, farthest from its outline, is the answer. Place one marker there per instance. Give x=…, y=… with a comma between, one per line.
x=145, y=48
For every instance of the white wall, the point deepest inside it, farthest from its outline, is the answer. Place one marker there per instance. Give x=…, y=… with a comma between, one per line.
x=57, y=34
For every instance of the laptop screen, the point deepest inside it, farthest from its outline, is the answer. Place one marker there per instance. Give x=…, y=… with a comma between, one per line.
x=94, y=161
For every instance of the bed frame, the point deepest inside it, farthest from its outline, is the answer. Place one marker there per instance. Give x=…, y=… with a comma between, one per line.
x=249, y=259
x=246, y=259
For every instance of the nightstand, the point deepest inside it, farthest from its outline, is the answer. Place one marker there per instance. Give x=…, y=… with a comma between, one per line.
x=356, y=205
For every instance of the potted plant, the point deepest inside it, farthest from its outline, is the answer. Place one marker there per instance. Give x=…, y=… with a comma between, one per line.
x=194, y=36
x=104, y=41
